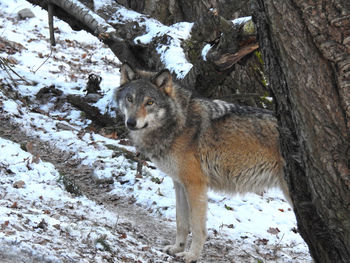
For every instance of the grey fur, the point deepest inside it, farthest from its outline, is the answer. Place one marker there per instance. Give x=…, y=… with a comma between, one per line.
x=199, y=143
x=220, y=108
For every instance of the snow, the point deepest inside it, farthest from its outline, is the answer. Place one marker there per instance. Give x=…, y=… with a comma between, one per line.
x=241, y=20
x=38, y=215
x=11, y=107
x=22, y=209
x=101, y=22
x=171, y=53
x=98, y=4
x=205, y=51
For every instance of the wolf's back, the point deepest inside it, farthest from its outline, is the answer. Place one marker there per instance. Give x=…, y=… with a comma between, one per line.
x=218, y=108
x=240, y=152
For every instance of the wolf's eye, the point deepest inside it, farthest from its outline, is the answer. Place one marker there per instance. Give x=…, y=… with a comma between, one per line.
x=129, y=99
x=150, y=102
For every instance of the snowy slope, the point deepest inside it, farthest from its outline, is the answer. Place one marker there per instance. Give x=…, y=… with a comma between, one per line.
x=39, y=217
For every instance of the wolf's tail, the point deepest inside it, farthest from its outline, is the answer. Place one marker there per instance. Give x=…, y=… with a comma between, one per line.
x=220, y=108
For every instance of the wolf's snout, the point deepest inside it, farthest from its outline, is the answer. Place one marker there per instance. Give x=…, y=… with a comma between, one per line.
x=131, y=123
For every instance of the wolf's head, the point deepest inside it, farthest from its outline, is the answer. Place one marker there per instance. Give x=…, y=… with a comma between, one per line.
x=145, y=98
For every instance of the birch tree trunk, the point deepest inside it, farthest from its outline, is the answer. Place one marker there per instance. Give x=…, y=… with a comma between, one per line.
x=306, y=50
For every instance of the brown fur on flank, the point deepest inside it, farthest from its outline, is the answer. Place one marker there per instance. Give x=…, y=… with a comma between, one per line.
x=200, y=144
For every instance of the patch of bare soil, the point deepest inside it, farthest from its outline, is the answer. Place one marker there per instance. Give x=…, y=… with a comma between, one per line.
x=153, y=232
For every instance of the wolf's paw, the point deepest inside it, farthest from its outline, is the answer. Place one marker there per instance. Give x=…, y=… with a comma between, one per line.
x=187, y=256
x=173, y=249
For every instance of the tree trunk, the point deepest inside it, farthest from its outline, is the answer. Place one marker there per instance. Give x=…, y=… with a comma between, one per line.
x=306, y=51
x=170, y=12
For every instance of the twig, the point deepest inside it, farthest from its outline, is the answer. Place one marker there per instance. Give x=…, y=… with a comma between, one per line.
x=43, y=62
x=51, y=29
x=277, y=246
x=5, y=65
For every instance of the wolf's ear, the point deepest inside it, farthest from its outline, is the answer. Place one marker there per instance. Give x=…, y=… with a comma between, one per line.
x=127, y=74
x=164, y=81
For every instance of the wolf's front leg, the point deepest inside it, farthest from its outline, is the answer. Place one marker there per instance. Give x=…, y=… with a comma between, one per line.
x=182, y=221
x=198, y=202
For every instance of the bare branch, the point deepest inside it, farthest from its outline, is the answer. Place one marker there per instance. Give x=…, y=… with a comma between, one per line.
x=95, y=23
x=146, y=43
x=52, y=34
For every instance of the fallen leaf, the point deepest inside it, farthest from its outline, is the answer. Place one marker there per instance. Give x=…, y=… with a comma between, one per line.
x=229, y=207
x=43, y=225
x=14, y=205
x=12, y=61
x=156, y=180
x=29, y=147
x=295, y=230
x=273, y=230
x=123, y=236
x=73, y=77
x=5, y=224
x=36, y=159
x=19, y=184
x=112, y=135
x=261, y=241
x=280, y=209
x=42, y=242
x=159, y=193
x=10, y=232
x=28, y=163
x=125, y=142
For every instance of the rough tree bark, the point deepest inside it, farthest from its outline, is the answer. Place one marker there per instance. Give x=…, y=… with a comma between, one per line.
x=170, y=12
x=306, y=50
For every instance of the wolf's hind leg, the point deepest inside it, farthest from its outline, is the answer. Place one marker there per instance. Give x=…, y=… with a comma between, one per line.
x=182, y=221
x=198, y=202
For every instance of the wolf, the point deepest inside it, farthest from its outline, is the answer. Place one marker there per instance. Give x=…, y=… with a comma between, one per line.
x=200, y=144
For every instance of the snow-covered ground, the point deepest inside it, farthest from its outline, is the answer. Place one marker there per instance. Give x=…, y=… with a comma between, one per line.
x=38, y=216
